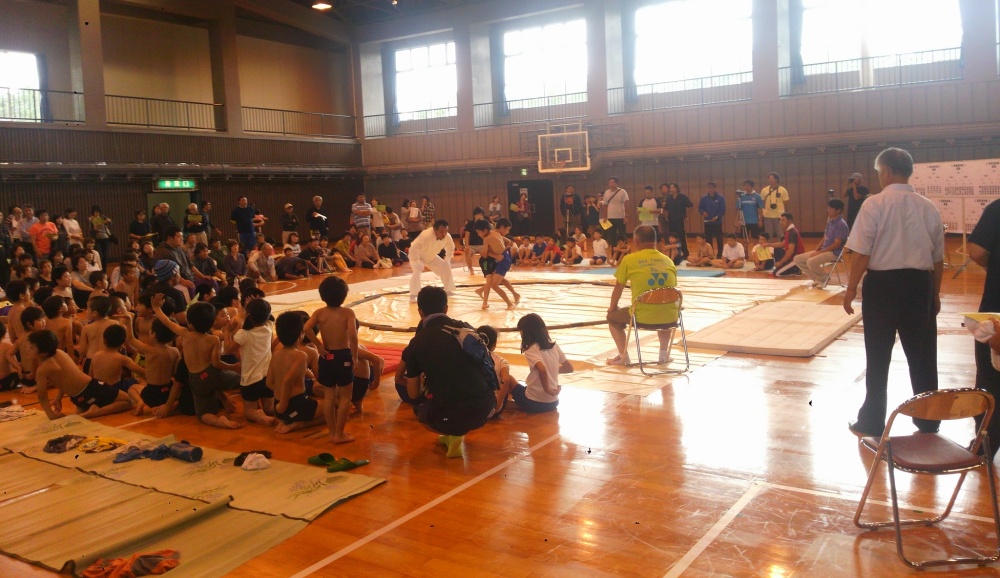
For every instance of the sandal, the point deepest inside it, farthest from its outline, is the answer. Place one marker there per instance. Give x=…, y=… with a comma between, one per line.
x=344, y=464
x=323, y=459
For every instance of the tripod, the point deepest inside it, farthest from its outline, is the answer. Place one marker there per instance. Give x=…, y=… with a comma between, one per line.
x=741, y=226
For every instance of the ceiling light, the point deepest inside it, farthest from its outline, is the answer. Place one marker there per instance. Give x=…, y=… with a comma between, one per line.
x=322, y=6
x=394, y=2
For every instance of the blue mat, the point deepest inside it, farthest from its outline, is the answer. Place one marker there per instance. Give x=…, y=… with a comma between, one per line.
x=680, y=272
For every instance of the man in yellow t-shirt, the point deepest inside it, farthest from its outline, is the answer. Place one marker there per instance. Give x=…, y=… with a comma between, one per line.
x=644, y=268
x=775, y=196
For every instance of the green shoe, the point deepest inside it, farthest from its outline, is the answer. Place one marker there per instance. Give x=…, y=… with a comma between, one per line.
x=344, y=464
x=323, y=459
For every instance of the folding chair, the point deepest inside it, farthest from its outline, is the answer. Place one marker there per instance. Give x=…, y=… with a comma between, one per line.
x=834, y=269
x=934, y=454
x=663, y=297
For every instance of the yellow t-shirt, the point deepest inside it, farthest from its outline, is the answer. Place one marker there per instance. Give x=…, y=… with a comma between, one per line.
x=644, y=270
x=763, y=253
x=776, y=197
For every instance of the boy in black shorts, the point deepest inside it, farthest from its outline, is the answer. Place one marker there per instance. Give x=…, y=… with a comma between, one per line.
x=338, y=354
x=286, y=377
x=57, y=370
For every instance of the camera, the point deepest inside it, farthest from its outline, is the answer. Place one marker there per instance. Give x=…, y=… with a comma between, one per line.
x=830, y=193
x=774, y=205
x=850, y=180
x=739, y=193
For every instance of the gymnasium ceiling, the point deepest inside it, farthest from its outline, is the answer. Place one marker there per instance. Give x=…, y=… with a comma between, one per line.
x=370, y=11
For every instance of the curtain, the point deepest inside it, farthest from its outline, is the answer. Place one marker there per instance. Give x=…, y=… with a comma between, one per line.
x=389, y=88
x=795, y=18
x=628, y=56
x=498, y=63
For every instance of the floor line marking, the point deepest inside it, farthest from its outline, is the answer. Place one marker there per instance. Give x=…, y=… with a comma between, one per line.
x=856, y=497
x=138, y=422
x=713, y=532
x=429, y=505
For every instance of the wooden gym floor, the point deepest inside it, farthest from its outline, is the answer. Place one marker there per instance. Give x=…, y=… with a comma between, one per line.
x=744, y=467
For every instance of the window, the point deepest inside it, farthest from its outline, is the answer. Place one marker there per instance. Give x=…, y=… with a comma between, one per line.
x=426, y=82
x=546, y=61
x=693, y=39
x=835, y=30
x=19, y=84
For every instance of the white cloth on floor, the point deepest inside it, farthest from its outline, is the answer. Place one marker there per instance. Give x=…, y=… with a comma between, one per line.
x=256, y=462
x=15, y=412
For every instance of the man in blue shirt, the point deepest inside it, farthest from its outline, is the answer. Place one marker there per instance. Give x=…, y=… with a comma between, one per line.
x=712, y=208
x=242, y=216
x=750, y=204
x=811, y=262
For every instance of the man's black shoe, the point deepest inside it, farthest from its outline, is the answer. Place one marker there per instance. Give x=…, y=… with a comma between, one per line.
x=856, y=430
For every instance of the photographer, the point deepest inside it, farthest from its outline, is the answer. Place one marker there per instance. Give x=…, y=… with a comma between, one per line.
x=855, y=194
x=775, y=196
x=750, y=203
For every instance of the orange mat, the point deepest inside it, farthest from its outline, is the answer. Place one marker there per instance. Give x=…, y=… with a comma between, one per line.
x=391, y=355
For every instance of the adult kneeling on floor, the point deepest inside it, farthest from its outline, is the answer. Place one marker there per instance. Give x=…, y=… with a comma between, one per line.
x=459, y=398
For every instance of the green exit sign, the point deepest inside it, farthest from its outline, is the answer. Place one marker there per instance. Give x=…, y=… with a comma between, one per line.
x=524, y=172
x=175, y=185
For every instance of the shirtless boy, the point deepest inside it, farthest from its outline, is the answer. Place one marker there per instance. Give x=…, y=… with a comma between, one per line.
x=208, y=376
x=55, y=321
x=493, y=252
x=57, y=370
x=162, y=393
x=92, y=336
x=32, y=320
x=338, y=345
x=286, y=376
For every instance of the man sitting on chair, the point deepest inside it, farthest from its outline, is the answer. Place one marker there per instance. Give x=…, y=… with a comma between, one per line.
x=646, y=269
x=811, y=262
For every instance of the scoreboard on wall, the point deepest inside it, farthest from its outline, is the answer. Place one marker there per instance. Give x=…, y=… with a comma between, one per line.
x=960, y=189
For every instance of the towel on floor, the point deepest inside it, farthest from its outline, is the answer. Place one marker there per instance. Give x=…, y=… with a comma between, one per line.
x=159, y=562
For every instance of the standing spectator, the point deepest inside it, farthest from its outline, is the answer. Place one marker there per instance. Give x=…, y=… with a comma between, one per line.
x=523, y=215
x=750, y=204
x=495, y=210
x=652, y=213
x=289, y=223
x=60, y=244
x=414, y=222
x=591, y=219
x=27, y=221
x=570, y=208
x=361, y=216
x=101, y=232
x=161, y=221
x=13, y=222
x=713, y=208
x=378, y=221
x=898, y=239
x=393, y=224
x=675, y=205
x=138, y=229
x=194, y=224
x=830, y=247
x=206, y=218
x=242, y=216
x=74, y=234
x=427, y=212
x=775, y=196
x=318, y=221
x=855, y=195
x=615, y=200
x=984, y=249
x=43, y=232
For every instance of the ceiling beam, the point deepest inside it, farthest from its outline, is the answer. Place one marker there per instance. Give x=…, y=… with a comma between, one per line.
x=298, y=16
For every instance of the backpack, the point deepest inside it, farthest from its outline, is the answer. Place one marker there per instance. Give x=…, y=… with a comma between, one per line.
x=473, y=344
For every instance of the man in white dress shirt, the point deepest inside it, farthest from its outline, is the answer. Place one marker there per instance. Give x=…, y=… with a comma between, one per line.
x=425, y=251
x=898, y=239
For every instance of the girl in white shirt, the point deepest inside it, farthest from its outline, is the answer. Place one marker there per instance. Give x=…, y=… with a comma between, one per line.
x=546, y=361
x=254, y=344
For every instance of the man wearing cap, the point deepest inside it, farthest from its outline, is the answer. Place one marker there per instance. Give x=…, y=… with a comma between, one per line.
x=289, y=223
x=168, y=276
x=855, y=194
x=318, y=222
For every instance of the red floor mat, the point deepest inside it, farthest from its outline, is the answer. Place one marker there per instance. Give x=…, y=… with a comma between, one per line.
x=391, y=355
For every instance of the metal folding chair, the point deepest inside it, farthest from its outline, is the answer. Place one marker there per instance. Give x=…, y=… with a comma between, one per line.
x=834, y=268
x=663, y=297
x=934, y=454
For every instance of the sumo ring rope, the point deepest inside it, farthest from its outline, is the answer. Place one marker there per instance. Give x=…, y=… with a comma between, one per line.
x=552, y=327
